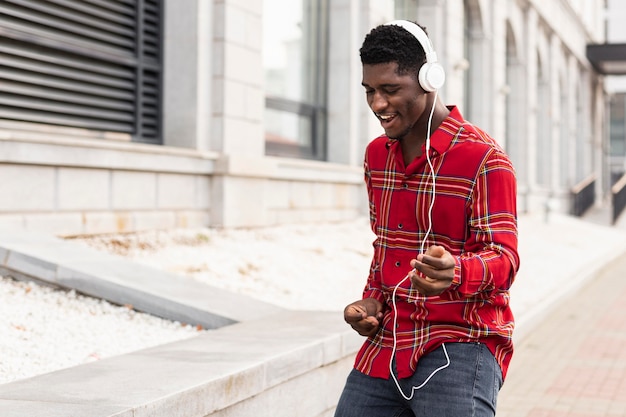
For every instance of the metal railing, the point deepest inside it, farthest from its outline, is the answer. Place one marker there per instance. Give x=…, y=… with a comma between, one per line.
x=618, y=198
x=583, y=196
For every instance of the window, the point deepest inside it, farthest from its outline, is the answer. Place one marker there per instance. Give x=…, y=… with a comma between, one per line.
x=617, y=127
x=294, y=60
x=94, y=65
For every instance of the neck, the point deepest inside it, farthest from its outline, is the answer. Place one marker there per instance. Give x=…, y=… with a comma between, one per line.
x=412, y=144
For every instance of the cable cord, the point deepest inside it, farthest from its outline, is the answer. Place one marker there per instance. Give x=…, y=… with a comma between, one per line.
x=432, y=175
x=422, y=247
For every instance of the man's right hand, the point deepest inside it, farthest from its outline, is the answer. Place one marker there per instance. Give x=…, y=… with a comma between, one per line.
x=364, y=316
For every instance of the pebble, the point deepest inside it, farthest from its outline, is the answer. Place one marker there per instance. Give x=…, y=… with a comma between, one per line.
x=45, y=329
x=304, y=267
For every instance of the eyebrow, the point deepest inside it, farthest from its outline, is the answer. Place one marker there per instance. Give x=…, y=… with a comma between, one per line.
x=389, y=85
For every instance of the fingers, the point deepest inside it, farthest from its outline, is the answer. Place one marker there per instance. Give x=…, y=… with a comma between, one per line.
x=429, y=286
x=434, y=271
x=429, y=273
x=353, y=313
x=356, y=310
x=435, y=251
x=366, y=326
x=366, y=323
x=435, y=258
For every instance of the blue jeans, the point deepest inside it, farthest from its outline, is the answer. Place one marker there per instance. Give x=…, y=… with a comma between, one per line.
x=468, y=387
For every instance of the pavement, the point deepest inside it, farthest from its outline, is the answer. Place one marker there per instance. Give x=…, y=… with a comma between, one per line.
x=570, y=360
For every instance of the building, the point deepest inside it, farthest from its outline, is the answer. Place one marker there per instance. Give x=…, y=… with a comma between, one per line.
x=117, y=116
x=612, y=62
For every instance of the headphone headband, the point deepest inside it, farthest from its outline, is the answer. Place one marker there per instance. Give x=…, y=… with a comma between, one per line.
x=419, y=34
x=431, y=75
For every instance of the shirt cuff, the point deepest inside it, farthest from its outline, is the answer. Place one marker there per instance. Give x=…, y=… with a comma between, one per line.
x=456, y=281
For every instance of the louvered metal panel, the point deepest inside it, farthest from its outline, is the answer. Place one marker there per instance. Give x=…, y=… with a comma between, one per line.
x=93, y=64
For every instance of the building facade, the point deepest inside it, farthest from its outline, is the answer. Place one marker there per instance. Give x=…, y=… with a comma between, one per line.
x=153, y=114
x=616, y=89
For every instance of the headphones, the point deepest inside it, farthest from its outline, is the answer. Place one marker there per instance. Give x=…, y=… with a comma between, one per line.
x=431, y=75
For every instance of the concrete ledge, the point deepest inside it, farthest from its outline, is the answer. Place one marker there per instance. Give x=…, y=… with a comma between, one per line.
x=258, y=360
x=33, y=148
x=251, y=368
x=61, y=263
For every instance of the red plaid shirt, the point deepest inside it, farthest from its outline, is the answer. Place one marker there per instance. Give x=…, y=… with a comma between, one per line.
x=474, y=217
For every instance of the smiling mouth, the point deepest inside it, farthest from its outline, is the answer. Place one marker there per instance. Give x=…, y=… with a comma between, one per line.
x=385, y=118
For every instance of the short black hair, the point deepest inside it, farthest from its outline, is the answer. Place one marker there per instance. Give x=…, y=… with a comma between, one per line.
x=392, y=43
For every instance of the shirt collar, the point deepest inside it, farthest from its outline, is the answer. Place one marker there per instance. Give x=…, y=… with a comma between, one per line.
x=442, y=137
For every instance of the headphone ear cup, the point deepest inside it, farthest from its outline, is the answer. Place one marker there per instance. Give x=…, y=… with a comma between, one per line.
x=431, y=76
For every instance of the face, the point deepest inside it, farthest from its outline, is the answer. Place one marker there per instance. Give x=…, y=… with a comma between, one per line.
x=398, y=101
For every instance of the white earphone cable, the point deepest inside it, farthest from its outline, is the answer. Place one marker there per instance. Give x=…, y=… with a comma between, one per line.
x=432, y=173
x=393, y=295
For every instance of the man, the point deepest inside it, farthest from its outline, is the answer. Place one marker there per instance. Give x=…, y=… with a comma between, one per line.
x=442, y=197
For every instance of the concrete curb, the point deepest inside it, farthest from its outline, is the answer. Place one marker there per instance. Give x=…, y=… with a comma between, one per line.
x=27, y=255
x=256, y=362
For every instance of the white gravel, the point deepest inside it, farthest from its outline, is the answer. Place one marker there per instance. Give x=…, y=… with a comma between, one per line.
x=44, y=329
x=311, y=267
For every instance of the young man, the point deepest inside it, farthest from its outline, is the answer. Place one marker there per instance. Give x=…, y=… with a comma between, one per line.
x=442, y=197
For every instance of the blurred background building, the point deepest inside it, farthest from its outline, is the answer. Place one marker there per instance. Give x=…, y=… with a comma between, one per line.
x=126, y=115
x=615, y=83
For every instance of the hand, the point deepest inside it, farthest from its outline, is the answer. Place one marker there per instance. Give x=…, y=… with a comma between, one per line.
x=433, y=271
x=364, y=316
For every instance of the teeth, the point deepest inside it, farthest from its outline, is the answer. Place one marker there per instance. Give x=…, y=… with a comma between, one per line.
x=385, y=117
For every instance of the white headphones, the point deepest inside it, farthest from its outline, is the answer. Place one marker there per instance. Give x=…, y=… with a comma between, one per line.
x=431, y=75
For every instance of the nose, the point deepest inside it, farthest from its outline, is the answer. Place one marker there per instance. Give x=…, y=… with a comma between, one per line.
x=377, y=102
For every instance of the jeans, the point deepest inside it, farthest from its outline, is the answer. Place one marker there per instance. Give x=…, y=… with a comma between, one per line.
x=468, y=387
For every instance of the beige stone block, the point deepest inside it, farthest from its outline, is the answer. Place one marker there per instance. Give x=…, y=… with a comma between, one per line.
x=95, y=223
x=300, y=194
x=193, y=219
x=176, y=191
x=27, y=188
x=323, y=195
x=242, y=202
x=154, y=220
x=276, y=194
x=234, y=99
x=133, y=190
x=242, y=73
x=203, y=192
x=243, y=137
x=56, y=223
x=83, y=189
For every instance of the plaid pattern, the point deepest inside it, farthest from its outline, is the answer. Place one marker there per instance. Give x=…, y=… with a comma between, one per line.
x=474, y=217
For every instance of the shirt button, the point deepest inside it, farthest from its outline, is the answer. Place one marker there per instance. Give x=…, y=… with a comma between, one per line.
x=405, y=185
x=397, y=263
x=400, y=226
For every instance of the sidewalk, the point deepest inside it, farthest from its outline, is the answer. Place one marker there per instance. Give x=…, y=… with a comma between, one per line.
x=572, y=361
